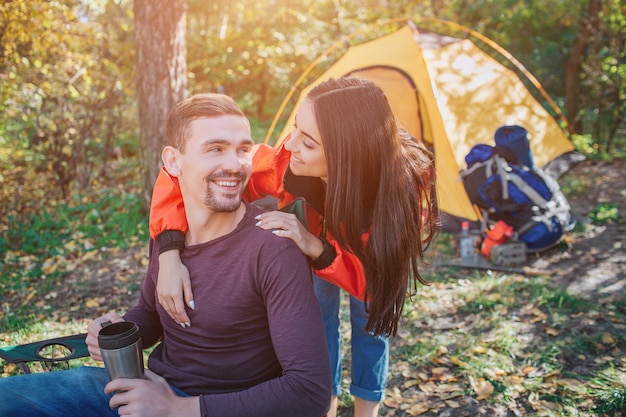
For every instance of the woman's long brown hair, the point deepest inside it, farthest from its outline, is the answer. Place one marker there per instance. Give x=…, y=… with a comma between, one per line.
x=381, y=181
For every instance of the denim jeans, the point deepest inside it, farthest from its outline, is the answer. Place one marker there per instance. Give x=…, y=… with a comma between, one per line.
x=76, y=392
x=370, y=354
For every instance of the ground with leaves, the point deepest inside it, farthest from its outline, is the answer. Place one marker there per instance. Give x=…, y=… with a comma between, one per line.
x=498, y=344
x=474, y=343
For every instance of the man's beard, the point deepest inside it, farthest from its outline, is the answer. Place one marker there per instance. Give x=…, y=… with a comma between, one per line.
x=225, y=203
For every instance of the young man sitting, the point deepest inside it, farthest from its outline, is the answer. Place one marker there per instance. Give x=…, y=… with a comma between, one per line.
x=256, y=345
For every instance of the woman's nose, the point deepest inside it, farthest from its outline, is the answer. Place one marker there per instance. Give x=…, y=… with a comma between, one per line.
x=290, y=144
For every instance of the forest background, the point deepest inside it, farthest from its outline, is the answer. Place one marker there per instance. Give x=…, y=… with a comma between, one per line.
x=85, y=86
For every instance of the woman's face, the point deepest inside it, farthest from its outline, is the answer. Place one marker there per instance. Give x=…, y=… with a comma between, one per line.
x=305, y=145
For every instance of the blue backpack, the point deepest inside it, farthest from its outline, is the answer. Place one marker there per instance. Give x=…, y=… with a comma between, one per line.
x=527, y=199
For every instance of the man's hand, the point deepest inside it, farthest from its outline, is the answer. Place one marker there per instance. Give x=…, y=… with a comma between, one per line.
x=94, y=329
x=150, y=397
x=174, y=287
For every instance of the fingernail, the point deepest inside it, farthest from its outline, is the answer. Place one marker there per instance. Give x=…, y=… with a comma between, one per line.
x=192, y=305
x=277, y=231
x=257, y=217
x=258, y=223
x=182, y=325
x=188, y=324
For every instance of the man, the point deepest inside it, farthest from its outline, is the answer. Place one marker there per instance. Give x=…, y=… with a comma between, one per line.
x=256, y=346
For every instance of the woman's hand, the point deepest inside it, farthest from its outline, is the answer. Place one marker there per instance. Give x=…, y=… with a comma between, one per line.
x=174, y=287
x=287, y=225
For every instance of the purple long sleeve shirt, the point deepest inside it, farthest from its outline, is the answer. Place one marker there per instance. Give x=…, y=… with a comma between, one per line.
x=256, y=346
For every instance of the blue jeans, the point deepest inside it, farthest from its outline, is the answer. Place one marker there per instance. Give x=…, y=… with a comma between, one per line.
x=76, y=392
x=370, y=354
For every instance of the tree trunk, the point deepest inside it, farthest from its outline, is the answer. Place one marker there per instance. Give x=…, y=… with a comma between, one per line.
x=161, y=77
x=574, y=63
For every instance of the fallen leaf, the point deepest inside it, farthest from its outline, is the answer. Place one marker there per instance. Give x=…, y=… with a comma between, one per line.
x=410, y=383
x=455, y=360
x=428, y=387
x=418, y=409
x=453, y=404
x=92, y=303
x=573, y=385
x=607, y=339
x=480, y=349
x=482, y=388
x=551, y=331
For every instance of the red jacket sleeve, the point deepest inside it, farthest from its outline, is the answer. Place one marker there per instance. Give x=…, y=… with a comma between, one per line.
x=267, y=175
x=346, y=272
x=167, y=211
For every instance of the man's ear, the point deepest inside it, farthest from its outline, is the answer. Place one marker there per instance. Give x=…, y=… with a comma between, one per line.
x=171, y=159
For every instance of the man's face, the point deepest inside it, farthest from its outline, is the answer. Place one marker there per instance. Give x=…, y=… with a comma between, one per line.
x=217, y=162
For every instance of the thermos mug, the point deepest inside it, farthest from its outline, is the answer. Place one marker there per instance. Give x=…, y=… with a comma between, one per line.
x=122, y=352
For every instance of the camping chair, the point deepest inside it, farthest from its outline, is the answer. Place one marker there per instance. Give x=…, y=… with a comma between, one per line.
x=47, y=351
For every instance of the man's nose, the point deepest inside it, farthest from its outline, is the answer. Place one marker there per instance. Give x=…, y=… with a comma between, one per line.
x=232, y=161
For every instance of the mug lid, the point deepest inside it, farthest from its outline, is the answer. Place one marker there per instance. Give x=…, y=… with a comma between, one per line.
x=118, y=335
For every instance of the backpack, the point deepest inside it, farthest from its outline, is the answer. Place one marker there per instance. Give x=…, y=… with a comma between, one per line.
x=527, y=199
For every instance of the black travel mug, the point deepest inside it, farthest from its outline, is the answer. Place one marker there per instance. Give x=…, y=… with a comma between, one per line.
x=122, y=352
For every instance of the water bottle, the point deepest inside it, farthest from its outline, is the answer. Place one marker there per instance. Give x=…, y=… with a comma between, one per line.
x=466, y=243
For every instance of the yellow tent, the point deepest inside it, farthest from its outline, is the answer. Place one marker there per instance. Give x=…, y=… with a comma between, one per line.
x=452, y=95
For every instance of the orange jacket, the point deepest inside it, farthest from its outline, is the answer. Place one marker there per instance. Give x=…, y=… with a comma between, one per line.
x=269, y=166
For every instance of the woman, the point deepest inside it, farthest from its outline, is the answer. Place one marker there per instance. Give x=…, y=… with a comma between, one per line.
x=372, y=212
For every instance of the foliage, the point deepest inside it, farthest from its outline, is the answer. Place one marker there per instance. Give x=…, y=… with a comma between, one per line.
x=605, y=213
x=68, y=99
x=66, y=95
x=40, y=246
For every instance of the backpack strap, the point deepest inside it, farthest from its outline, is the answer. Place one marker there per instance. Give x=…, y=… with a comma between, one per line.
x=530, y=192
x=503, y=171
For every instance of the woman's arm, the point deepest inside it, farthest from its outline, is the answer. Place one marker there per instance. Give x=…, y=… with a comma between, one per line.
x=167, y=225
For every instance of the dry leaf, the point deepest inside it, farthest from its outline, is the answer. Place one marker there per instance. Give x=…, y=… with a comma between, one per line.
x=482, y=388
x=418, y=409
x=428, y=387
x=458, y=362
x=453, y=404
x=551, y=331
x=607, y=339
x=92, y=303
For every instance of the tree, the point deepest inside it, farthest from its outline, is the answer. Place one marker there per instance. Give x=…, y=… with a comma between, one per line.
x=574, y=63
x=161, y=76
